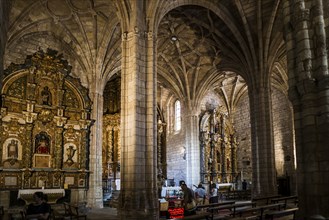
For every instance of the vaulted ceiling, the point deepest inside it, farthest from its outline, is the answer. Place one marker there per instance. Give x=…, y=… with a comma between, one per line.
x=218, y=48
x=202, y=45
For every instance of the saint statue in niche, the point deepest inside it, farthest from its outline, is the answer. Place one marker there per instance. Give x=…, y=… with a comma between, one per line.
x=42, y=144
x=70, y=151
x=12, y=149
x=46, y=96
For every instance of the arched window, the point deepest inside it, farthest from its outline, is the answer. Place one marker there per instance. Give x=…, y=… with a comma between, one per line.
x=177, y=116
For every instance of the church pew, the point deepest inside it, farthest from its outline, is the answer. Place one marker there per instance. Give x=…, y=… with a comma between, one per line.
x=285, y=200
x=211, y=205
x=282, y=213
x=259, y=210
x=264, y=200
x=231, y=208
x=200, y=215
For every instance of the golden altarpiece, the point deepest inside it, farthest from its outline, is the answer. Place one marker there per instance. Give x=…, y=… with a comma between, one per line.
x=111, y=146
x=45, y=126
x=218, y=146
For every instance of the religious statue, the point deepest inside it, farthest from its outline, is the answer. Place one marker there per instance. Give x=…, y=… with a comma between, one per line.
x=13, y=149
x=46, y=96
x=70, y=151
x=42, y=144
x=42, y=147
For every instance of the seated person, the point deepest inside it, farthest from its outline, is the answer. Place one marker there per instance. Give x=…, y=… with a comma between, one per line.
x=39, y=209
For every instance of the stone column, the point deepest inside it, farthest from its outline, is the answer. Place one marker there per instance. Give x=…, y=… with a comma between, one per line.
x=263, y=165
x=138, y=194
x=95, y=193
x=4, y=23
x=306, y=43
x=193, y=150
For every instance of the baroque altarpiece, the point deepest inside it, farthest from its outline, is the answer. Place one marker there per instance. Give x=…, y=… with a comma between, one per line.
x=218, y=146
x=111, y=147
x=45, y=125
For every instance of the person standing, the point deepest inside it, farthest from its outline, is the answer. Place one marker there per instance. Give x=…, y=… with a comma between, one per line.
x=213, y=194
x=244, y=185
x=200, y=195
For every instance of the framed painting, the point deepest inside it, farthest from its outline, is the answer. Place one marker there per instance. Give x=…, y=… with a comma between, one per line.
x=42, y=160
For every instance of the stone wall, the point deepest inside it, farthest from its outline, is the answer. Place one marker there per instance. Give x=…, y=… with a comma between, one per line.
x=283, y=133
x=284, y=145
x=176, y=152
x=243, y=131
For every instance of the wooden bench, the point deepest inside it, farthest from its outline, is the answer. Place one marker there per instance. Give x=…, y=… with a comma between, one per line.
x=238, y=194
x=200, y=215
x=232, y=208
x=238, y=207
x=259, y=210
x=285, y=199
x=277, y=214
x=211, y=205
x=265, y=199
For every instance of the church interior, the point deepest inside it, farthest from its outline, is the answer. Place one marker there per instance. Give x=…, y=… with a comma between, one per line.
x=113, y=101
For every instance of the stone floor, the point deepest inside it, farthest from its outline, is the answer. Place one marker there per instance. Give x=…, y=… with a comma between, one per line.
x=102, y=214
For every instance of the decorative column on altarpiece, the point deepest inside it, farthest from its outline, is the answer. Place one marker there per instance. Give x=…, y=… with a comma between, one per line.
x=159, y=149
x=222, y=148
x=203, y=171
x=58, y=148
x=60, y=122
x=85, y=124
x=234, y=145
x=83, y=156
x=213, y=173
x=27, y=159
x=116, y=151
x=110, y=151
x=58, y=154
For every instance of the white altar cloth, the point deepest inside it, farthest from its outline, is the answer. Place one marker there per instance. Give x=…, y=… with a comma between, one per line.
x=53, y=194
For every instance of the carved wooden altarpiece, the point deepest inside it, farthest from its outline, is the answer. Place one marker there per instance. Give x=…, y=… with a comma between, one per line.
x=218, y=145
x=45, y=125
